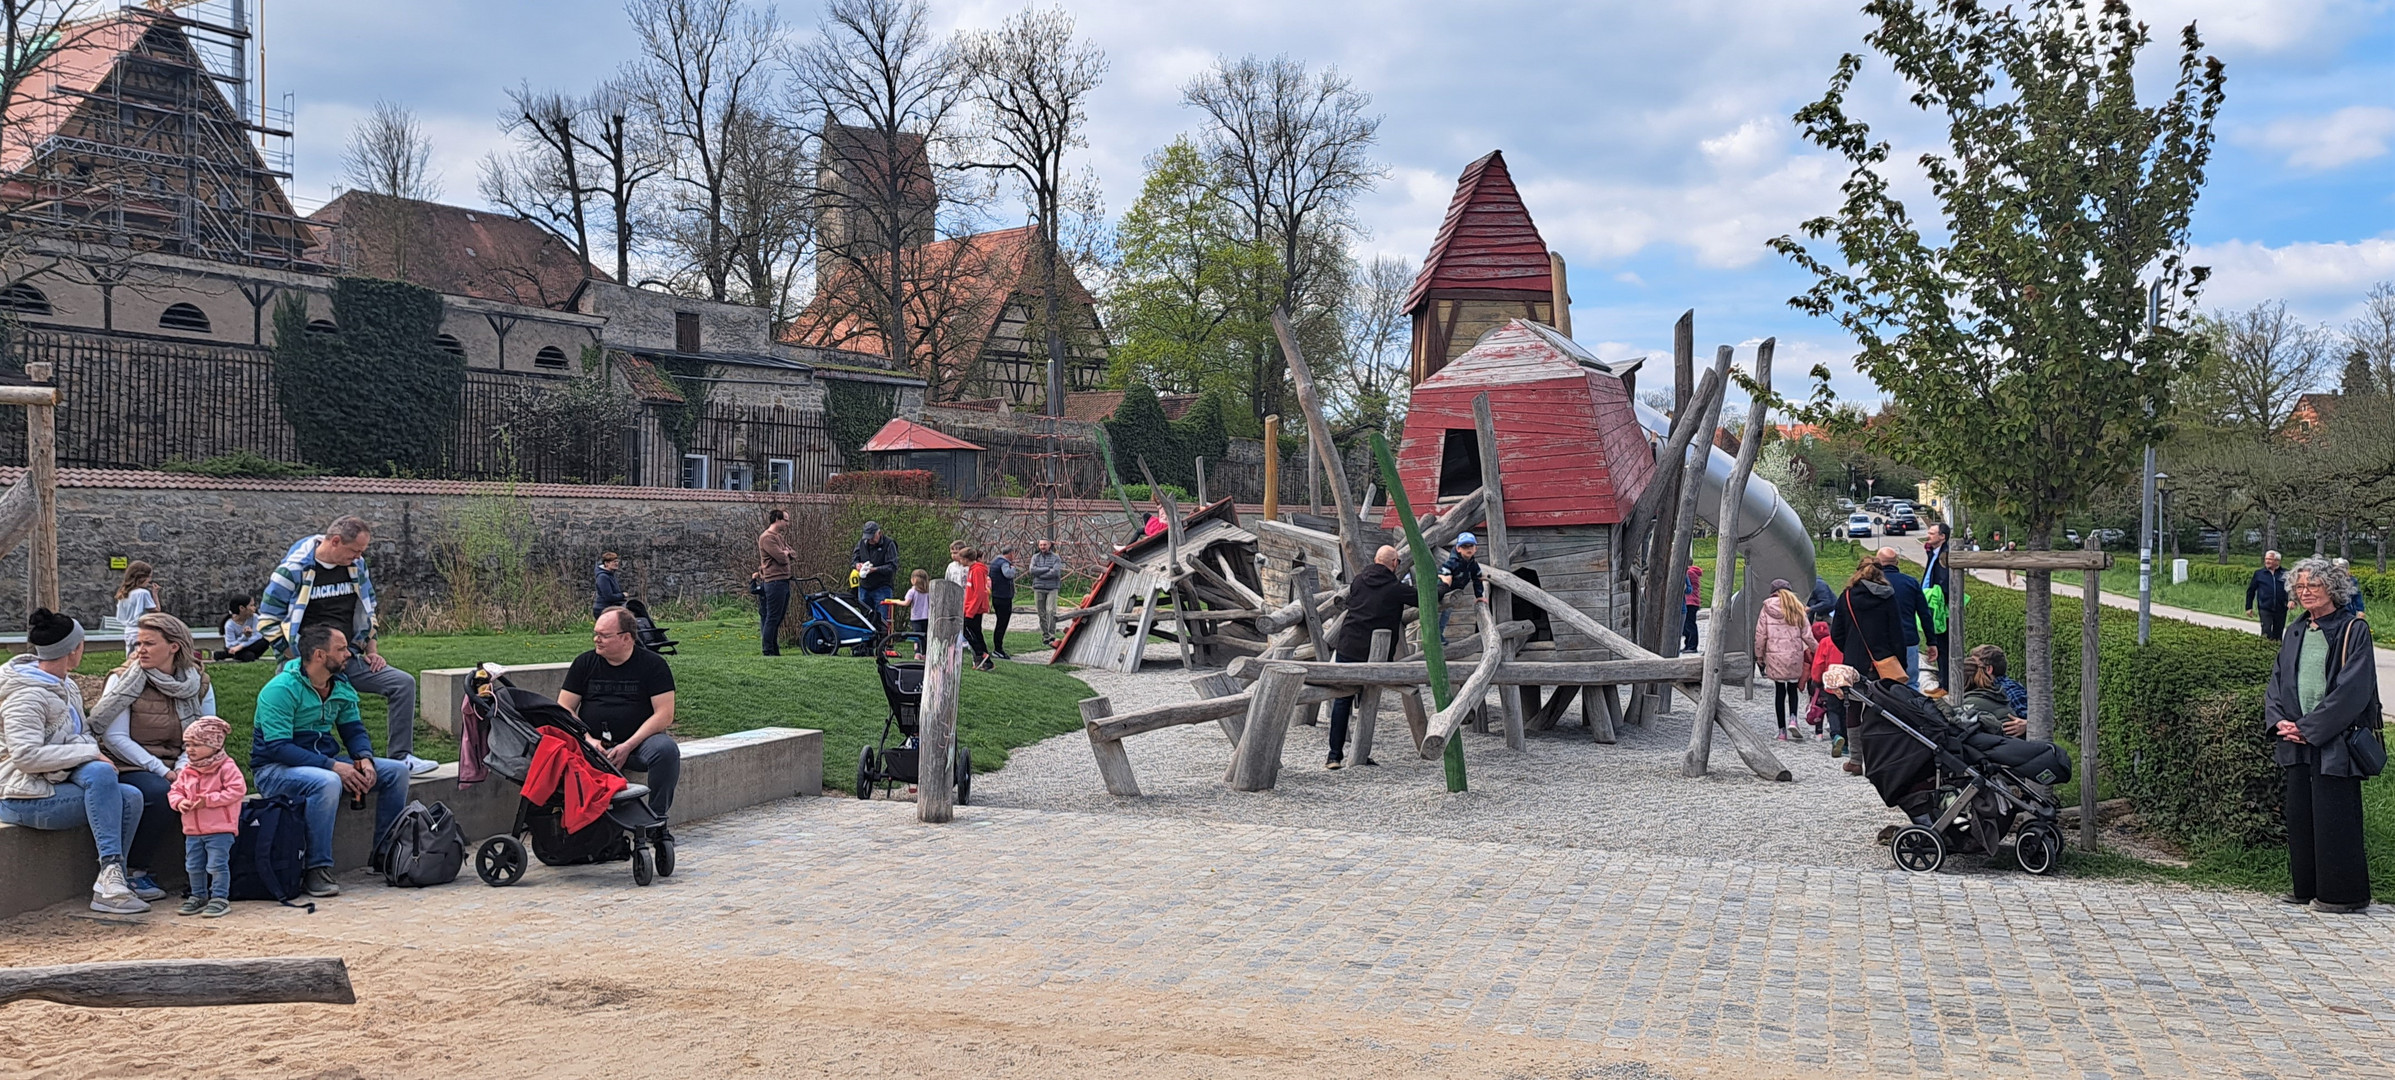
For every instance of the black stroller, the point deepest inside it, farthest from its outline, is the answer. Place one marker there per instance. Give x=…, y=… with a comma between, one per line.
x=622, y=832
x=645, y=631
x=882, y=763
x=1962, y=787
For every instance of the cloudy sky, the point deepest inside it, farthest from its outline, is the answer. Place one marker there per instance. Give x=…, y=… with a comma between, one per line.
x=1651, y=140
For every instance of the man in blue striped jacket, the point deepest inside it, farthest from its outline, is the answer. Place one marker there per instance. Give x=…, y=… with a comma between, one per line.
x=323, y=580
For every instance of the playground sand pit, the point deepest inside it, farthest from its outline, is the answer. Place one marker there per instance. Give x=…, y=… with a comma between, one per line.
x=456, y=1008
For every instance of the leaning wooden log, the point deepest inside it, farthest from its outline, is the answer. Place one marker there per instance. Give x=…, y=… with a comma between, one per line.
x=1563, y=612
x=1601, y=710
x=1318, y=434
x=1551, y=713
x=1367, y=706
x=1216, y=684
x=1114, y=763
x=1492, y=483
x=943, y=671
x=1474, y=691
x=1726, y=574
x=1751, y=750
x=1182, y=713
x=1276, y=695
x=1249, y=669
x=178, y=984
x=1676, y=669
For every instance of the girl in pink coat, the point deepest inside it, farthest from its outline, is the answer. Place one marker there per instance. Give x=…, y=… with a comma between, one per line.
x=208, y=791
x=1783, y=646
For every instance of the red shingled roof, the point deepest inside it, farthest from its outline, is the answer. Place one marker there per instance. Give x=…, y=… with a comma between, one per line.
x=904, y=434
x=1091, y=406
x=453, y=249
x=984, y=271
x=1488, y=240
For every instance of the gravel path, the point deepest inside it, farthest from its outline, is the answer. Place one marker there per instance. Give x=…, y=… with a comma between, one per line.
x=1564, y=790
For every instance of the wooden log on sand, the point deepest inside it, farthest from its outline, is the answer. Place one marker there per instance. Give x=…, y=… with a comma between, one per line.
x=180, y=984
x=1750, y=749
x=1258, y=765
x=1114, y=764
x=1475, y=688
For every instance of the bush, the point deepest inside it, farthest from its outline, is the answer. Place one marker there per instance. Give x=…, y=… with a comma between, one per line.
x=245, y=463
x=827, y=533
x=375, y=396
x=900, y=483
x=1141, y=494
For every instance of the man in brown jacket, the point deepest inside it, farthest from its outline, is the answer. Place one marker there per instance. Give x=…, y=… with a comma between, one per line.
x=773, y=578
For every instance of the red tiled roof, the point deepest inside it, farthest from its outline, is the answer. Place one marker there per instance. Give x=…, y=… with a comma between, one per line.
x=904, y=434
x=1091, y=406
x=648, y=383
x=1488, y=240
x=454, y=250
x=988, y=270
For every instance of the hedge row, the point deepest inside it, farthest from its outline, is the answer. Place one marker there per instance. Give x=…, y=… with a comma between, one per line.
x=2179, y=721
x=902, y=483
x=2377, y=588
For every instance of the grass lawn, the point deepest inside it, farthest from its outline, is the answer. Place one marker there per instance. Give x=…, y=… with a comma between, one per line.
x=723, y=686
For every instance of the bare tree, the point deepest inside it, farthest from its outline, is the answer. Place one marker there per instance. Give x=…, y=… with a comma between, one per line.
x=54, y=191
x=703, y=70
x=1372, y=380
x=1294, y=149
x=542, y=180
x=2373, y=335
x=1032, y=81
x=767, y=211
x=389, y=154
x=2257, y=363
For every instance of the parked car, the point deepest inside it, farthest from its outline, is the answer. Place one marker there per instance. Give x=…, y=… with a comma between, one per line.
x=2210, y=538
x=1901, y=508
x=2071, y=536
x=1859, y=526
x=1877, y=502
x=2111, y=536
x=1846, y=504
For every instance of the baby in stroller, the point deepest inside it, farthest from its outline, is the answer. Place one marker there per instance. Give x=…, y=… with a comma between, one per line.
x=1961, y=784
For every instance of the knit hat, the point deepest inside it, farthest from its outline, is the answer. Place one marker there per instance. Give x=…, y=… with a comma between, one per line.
x=207, y=733
x=52, y=635
x=1840, y=676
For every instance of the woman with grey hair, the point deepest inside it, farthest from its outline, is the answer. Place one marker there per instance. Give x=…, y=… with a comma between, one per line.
x=2322, y=698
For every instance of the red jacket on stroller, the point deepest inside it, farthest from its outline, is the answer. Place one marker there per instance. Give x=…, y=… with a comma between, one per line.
x=558, y=763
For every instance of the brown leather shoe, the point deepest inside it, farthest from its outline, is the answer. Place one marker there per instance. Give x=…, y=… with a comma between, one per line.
x=1854, y=768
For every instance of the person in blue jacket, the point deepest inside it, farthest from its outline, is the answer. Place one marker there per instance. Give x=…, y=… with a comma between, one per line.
x=1912, y=611
x=610, y=592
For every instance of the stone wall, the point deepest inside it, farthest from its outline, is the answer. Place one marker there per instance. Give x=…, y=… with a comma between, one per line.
x=211, y=538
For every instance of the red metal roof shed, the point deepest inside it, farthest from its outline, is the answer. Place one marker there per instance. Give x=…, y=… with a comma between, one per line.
x=1569, y=443
x=904, y=434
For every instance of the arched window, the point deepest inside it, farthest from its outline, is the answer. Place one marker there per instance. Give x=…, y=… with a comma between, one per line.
x=322, y=326
x=550, y=356
x=450, y=345
x=24, y=299
x=184, y=317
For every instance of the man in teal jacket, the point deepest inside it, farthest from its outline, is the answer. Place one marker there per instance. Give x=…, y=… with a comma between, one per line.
x=310, y=744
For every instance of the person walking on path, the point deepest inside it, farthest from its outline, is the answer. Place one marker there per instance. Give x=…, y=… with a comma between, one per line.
x=207, y=793
x=1376, y=600
x=1935, y=546
x=773, y=579
x=2323, y=695
x=2266, y=596
x=1783, y=646
x=141, y=713
x=323, y=581
x=136, y=596
x=1689, y=601
x=1047, y=578
x=1002, y=599
x=1912, y=612
x=52, y=772
x=875, y=557
x=976, y=576
x=608, y=592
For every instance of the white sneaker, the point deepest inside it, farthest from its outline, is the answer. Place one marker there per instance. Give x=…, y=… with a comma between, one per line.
x=110, y=893
x=417, y=766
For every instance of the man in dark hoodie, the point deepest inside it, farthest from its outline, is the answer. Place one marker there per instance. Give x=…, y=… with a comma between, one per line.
x=1912, y=611
x=610, y=593
x=1376, y=600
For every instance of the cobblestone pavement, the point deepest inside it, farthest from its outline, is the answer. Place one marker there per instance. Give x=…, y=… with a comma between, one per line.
x=1702, y=964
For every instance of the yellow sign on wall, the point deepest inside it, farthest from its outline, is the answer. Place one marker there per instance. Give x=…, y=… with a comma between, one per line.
x=116, y=562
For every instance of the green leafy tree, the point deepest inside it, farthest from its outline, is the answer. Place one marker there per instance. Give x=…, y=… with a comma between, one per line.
x=377, y=395
x=1140, y=432
x=1202, y=432
x=853, y=412
x=1185, y=307
x=2057, y=197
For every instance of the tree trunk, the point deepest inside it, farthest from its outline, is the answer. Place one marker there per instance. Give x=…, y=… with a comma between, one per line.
x=2270, y=531
x=2038, y=641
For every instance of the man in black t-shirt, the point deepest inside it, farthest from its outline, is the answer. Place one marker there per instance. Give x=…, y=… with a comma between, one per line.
x=625, y=695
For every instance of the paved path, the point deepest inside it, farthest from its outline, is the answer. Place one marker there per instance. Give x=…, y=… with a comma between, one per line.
x=1696, y=964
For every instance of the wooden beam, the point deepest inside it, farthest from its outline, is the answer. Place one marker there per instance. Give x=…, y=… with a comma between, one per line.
x=1726, y=575
x=1258, y=765
x=1492, y=485
x=1675, y=669
x=943, y=671
x=1475, y=690
x=1326, y=452
x=182, y=984
x=1571, y=616
x=1184, y=713
x=1552, y=711
x=41, y=470
x=1272, y=468
x=2029, y=560
x=1367, y=706
x=2091, y=606
x=1114, y=764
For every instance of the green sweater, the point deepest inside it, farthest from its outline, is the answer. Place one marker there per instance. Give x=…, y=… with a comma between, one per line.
x=296, y=727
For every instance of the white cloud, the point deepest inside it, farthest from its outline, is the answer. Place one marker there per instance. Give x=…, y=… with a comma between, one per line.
x=2320, y=281
x=2353, y=133
x=1752, y=185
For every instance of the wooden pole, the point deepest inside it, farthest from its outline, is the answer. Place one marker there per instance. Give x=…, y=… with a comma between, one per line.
x=1426, y=593
x=943, y=672
x=1683, y=361
x=41, y=467
x=1203, y=501
x=1725, y=570
x=1367, y=706
x=1272, y=468
x=179, y=984
x=1259, y=762
x=1475, y=691
x=1318, y=431
x=2091, y=606
x=1563, y=297
x=1114, y=764
x=1498, y=554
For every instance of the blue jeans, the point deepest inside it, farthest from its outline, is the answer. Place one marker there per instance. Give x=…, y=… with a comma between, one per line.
x=873, y=595
x=1687, y=628
x=208, y=862
x=91, y=795
x=770, y=608
x=659, y=759
x=321, y=790
x=1912, y=664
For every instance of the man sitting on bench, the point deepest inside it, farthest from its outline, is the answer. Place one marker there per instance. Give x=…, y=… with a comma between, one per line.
x=625, y=695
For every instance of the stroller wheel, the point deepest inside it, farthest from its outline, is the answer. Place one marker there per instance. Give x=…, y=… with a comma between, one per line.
x=818, y=640
x=1918, y=850
x=2038, y=847
x=500, y=861
x=644, y=866
x=665, y=858
x=865, y=772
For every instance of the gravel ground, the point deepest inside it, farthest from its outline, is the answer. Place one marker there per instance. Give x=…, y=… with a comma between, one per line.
x=1564, y=790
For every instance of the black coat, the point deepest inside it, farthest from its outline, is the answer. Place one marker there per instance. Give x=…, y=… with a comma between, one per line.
x=2352, y=697
x=1912, y=608
x=882, y=552
x=2267, y=590
x=1865, y=626
x=1376, y=600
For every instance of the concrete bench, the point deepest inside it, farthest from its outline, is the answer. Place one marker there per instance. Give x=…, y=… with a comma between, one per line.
x=719, y=775
x=440, y=690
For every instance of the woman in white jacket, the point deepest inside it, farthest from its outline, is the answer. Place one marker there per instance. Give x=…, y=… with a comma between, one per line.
x=52, y=773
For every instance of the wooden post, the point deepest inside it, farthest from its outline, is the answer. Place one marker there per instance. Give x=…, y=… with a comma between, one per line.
x=943, y=671
x=1114, y=764
x=41, y=467
x=1106, y=455
x=1601, y=723
x=179, y=984
x=1683, y=361
x=1957, y=646
x=1497, y=554
x=1172, y=538
x=2091, y=606
x=1562, y=299
x=1318, y=431
x=1367, y=706
x=1426, y=595
x=1203, y=501
x=1417, y=718
x=1259, y=762
x=1725, y=569
x=1272, y=468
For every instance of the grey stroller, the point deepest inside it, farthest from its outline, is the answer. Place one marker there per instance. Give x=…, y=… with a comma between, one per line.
x=518, y=719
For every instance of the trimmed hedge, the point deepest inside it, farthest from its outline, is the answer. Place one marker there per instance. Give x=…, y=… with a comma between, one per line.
x=2377, y=588
x=902, y=483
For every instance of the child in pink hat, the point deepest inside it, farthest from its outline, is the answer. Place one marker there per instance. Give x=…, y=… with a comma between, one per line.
x=208, y=791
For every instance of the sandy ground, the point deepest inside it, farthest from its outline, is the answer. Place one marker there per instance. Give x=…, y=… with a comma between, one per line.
x=456, y=1009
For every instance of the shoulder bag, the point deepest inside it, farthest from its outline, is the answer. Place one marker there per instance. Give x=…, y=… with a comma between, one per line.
x=1889, y=668
x=2365, y=742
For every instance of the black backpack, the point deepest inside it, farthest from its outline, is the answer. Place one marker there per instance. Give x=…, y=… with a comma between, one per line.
x=424, y=847
x=269, y=852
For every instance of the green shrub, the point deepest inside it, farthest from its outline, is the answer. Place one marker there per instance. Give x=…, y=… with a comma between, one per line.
x=1141, y=493
x=901, y=483
x=245, y=463
x=375, y=396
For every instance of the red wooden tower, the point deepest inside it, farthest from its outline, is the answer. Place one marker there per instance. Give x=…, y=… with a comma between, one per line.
x=1487, y=265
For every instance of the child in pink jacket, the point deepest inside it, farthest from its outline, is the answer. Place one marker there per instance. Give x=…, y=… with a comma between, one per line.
x=208, y=792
